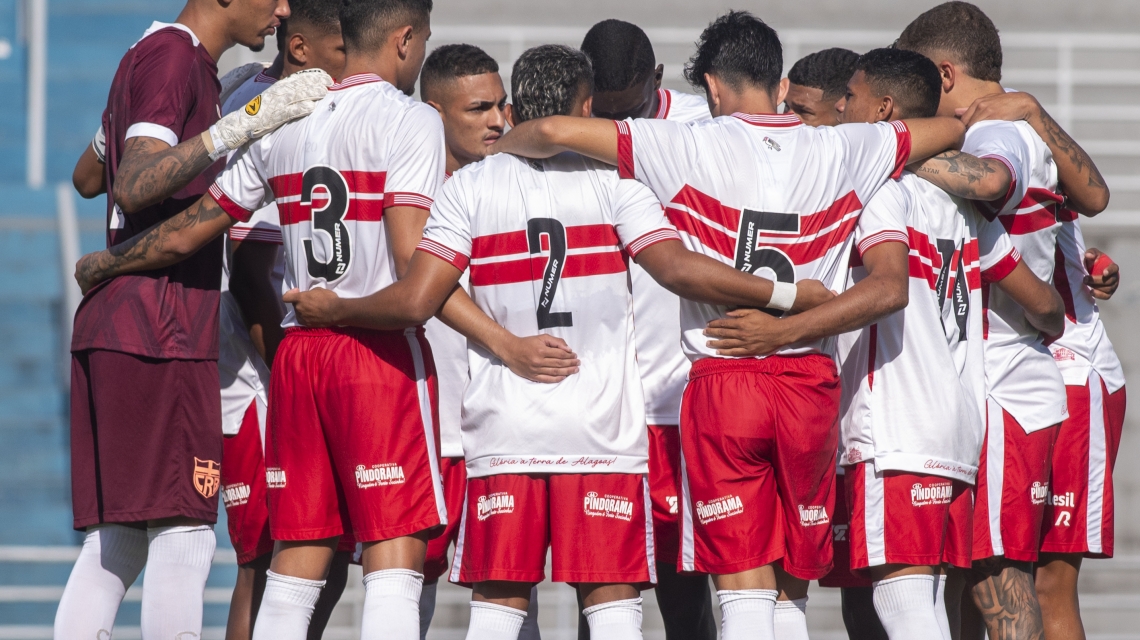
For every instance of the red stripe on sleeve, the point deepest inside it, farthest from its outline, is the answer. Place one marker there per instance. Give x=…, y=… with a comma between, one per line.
x=444, y=252
x=233, y=209
x=902, y=152
x=1003, y=268
x=407, y=200
x=625, y=150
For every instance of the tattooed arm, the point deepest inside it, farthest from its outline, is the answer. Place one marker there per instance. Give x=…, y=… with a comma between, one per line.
x=1008, y=603
x=1080, y=179
x=151, y=171
x=164, y=244
x=963, y=175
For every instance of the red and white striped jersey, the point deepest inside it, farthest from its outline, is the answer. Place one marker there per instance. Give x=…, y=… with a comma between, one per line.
x=547, y=242
x=449, y=350
x=656, y=310
x=764, y=193
x=1085, y=345
x=366, y=147
x=1020, y=373
x=914, y=383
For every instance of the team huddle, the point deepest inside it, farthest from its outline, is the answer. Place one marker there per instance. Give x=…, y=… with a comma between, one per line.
x=836, y=326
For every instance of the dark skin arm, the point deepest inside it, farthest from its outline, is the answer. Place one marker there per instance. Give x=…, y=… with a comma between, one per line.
x=1082, y=182
x=88, y=175
x=1043, y=306
x=963, y=175
x=151, y=170
x=251, y=283
x=885, y=290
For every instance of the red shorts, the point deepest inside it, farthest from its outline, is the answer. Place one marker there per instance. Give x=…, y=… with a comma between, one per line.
x=1079, y=515
x=902, y=518
x=664, y=489
x=243, y=489
x=352, y=444
x=453, y=472
x=1013, y=485
x=599, y=527
x=146, y=438
x=841, y=575
x=759, y=439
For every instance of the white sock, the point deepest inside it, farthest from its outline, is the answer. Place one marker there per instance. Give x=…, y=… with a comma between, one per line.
x=286, y=607
x=110, y=561
x=746, y=614
x=494, y=622
x=529, y=629
x=177, y=565
x=616, y=620
x=427, y=607
x=392, y=605
x=940, y=607
x=789, y=620
x=906, y=606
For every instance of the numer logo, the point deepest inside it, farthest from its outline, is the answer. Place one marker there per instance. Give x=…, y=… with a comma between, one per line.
x=275, y=477
x=379, y=475
x=921, y=496
x=494, y=504
x=608, y=506
x=719, y=509
x=813, y=516
x=235, y=495
x=1038, y=492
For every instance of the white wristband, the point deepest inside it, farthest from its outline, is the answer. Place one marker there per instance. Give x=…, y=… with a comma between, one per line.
x=220, y=149
x=783, y=296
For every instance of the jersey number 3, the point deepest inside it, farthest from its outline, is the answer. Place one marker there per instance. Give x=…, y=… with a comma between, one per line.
x=554, y=233
x=325, y=191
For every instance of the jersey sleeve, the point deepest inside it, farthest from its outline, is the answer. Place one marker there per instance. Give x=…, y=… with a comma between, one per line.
x=241, y=190
x=639, y=219
x=448, y=234
x=161, y=95
x=1001, y=141
x=873, y=154
x=997, y=257
x=883, y=219
x=416, y=166
x=264, y=226
x=658, y=153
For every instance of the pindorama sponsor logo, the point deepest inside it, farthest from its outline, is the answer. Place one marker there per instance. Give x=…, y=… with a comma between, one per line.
x=494, y=504
x=719, y=509
x=275, y=477
x=379, y=475
x=1038, y=492
x=235, y=495
x=608, y=506
x=813, y=516
x=941, y=493
x=1067, y=499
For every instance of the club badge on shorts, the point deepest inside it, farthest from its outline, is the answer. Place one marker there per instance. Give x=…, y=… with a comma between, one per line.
x=207, y=477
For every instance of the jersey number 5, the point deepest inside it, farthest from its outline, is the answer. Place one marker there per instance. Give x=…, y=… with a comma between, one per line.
x=750, y=257
x=329, y=185
x=554, y=233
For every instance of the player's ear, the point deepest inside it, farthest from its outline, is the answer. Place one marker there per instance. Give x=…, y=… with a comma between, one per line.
x=297, y=49
x=509, y=114
x=886, y=109
x=949, y=75
x=782, y=90
x=587, y=107
x=403, y=38
x=658, y=74
x=712, y=93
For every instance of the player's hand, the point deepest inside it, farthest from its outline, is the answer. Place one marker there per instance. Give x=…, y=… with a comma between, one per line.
x=1011, y=107
x=288, y=99
x=540, y=358
x=315, y=307
x=1104, y=274
x=810, y=294
x=748, y=332
x=86, y=272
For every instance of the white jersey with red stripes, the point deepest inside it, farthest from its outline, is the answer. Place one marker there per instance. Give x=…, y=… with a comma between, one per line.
x=547, y=242
x=656, y=310
x=365, y=147
x=449, y=350
x=244, y=375
x=764, y=193
x=914, y=383
x=1020, y=374
x=1085, y=346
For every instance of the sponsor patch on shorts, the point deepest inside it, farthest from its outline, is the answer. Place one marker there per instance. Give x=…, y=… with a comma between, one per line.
x=719, y=509
x=379, y=475
x=813, y=516
x=1038, y=492
x=608, y=506
x=921, y=496
x=494, y=504
x=275, y=477
x=235, y=495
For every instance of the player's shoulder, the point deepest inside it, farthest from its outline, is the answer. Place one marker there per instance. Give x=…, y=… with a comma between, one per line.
x=684, y=107
x=166, y=38
x=248, y=90
x=1000, y=132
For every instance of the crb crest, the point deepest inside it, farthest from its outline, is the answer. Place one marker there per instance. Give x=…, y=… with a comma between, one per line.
x=207, y=477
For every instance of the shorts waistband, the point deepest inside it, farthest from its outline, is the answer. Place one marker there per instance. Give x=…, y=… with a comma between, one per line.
x=771, y=364
x=352, y=332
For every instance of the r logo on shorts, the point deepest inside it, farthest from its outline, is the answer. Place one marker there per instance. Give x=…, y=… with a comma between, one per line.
x=207, y=477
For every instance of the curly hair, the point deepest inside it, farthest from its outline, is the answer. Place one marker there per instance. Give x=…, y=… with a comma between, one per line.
x=548, y=81
x=739, y=49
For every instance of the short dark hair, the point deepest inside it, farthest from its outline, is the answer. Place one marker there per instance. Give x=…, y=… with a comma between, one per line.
x=454, y=61
x=323, y=15
x=621, y=54
x=908, y=77
x=548, y=80
x=365, y=24
x=738, y=48
x=827, y=70
x=961, y=30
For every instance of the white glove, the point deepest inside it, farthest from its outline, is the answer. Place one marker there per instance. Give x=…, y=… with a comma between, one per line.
x=288, y=99
x=99, y=145
x=237, y=77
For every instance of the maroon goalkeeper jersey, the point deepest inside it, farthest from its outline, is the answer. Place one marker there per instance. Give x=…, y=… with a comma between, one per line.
x=167, y=88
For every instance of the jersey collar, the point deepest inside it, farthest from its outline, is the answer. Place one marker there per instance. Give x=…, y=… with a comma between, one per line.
x=770, y=119
x=664, y=100
x=354, y=80
x=158, y=26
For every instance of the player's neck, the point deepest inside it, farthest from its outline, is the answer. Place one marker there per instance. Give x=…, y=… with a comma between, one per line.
x=749, y=101
x=967, y=90
x=208, y=27
x=380, y=63
x=281, y=67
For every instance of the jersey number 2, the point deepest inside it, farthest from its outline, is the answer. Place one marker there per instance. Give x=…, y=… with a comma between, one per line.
x=328, y=219
x=555, y=234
